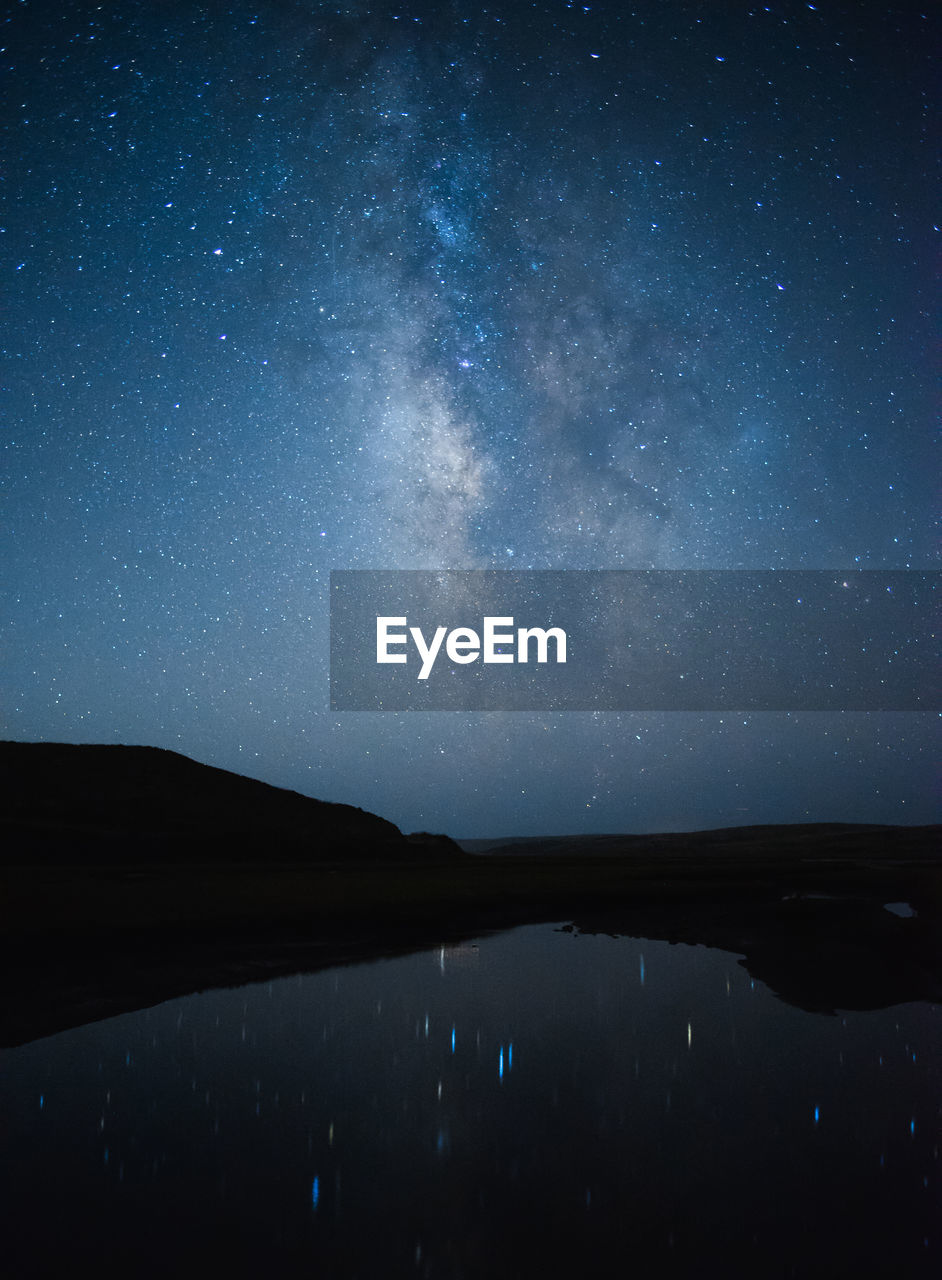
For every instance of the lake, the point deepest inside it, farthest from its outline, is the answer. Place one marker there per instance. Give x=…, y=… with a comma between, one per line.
x=536, y=1103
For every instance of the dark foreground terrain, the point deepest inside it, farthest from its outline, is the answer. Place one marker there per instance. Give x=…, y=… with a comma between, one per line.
x=155, y=908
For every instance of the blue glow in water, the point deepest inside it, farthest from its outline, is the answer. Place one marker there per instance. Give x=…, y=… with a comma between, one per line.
x=642, y=970
x=589, y=1073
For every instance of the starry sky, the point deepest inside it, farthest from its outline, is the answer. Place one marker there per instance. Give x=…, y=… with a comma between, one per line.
x=293, y=287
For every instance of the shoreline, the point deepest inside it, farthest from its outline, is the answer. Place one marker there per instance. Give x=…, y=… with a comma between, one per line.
x=806, y=912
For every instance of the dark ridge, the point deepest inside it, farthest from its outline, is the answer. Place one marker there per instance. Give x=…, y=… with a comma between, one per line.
x=106, y=804
x=797, y=839
x=434, y=842
x=129, y=875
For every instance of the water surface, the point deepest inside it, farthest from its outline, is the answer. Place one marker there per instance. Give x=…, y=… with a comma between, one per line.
x=537, y=1103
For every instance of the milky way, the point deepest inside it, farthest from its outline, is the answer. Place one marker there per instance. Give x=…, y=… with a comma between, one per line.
x=296, y=287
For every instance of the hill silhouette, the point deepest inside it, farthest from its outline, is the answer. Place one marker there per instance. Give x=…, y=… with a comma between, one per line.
x=132, y=874
x=99, y=804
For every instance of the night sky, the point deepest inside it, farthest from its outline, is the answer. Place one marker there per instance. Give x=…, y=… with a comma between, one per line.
x=294, y=287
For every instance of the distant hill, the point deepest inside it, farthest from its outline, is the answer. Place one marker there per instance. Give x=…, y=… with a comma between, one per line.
x=797, y=839
x=62, y=802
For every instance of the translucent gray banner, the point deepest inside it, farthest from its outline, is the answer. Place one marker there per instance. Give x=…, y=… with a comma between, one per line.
x=634, y=640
